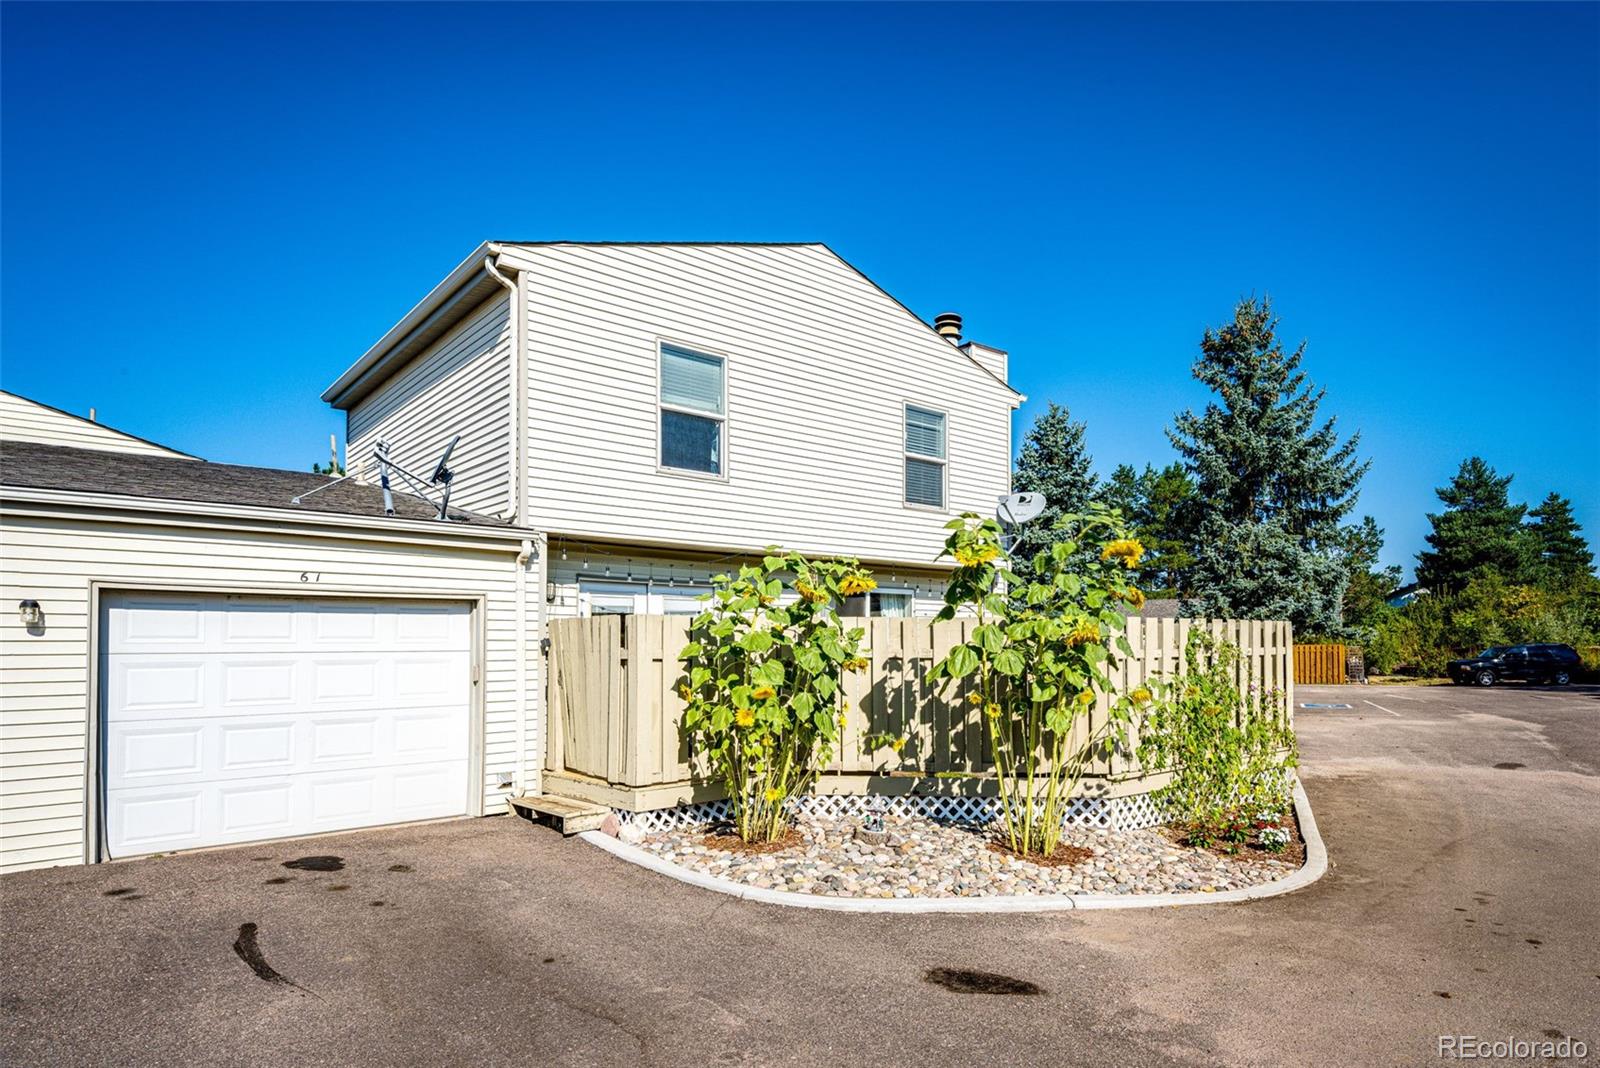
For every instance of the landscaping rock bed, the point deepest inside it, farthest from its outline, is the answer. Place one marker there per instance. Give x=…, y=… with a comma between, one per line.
x=922, y=858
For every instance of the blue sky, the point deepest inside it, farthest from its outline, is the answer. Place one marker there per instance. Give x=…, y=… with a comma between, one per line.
x=210, y=210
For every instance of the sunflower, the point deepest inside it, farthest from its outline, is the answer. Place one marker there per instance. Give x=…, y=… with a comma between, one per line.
x=774, y=794
x=856, y=583
x=1085, y=698
x=744, y=717
x=856, y=664
x=898, y=744
x=1083, y=634
x=974, y=698
x=761, y=693
x=968, y=555
x=1128, y=550
x=1135, y=597
x=810, y=592
x=1141, y=696
x=683, y=690
x=992, y=711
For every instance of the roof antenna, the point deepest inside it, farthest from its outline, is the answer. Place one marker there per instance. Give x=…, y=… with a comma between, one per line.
x=442, y=476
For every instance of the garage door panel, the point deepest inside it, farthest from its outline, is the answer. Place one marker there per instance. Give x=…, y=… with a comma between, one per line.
x=287, y=717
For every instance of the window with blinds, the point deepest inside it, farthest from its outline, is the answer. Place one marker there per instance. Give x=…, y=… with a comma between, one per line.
x=693, y=410
x=925, y=457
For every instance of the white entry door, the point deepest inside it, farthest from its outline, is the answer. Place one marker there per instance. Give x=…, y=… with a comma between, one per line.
x=231, y=719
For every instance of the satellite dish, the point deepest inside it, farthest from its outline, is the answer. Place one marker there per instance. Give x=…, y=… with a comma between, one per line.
x=441, y=473
x=1017, y=508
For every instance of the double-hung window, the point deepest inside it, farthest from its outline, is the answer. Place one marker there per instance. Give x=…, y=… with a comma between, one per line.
x=693, y=411
x=925, y=457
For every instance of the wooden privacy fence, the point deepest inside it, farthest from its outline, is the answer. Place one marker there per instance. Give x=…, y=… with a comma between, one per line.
x=614, y=717
x=1319, y=665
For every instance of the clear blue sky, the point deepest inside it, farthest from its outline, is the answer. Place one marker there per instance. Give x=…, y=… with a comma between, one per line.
x=210, y=210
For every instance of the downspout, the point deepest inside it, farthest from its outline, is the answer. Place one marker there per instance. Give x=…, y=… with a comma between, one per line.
x=523, y=557
x=516, y=313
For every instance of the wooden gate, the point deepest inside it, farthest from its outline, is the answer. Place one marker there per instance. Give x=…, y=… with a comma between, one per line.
x=1319, y=665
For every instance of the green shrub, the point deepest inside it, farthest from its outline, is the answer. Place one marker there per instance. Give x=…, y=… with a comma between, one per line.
x=761, y=681
x=1229, y=750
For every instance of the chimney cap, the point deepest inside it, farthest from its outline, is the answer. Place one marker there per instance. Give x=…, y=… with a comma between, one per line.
x=947, y=324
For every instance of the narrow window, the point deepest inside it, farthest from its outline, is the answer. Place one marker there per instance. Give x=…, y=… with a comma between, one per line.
x=693, y=410
x=925, y=458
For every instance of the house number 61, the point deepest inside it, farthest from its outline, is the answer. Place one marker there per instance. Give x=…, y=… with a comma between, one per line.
x=310, y=576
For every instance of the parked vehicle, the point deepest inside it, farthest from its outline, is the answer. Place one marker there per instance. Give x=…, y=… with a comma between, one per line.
x=1532, y=663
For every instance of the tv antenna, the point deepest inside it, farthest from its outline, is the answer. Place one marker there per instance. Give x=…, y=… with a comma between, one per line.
x=442, y=477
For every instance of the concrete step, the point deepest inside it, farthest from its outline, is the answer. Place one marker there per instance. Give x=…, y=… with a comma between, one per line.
x=563, y=813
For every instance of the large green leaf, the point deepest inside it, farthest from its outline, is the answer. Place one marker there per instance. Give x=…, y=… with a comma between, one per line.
x=962, y=661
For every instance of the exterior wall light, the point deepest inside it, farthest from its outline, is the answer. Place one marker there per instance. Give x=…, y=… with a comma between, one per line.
x=32, y=615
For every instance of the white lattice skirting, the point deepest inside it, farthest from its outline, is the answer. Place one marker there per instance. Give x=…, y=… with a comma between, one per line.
x=1118, y=813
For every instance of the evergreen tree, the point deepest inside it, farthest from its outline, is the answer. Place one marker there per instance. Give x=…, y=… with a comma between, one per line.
x=1155, y=504
x=1054, y=462
x=1367, y=585
x=1480, y=531
x=1559, y=554
x=1272, y=484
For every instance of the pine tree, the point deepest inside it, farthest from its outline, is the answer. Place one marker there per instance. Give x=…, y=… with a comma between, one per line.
x=1559, y=554
x=1272, y=484
x=1480, y=531
x=1054, y=462
x=1155, y=504
x=1367, y=584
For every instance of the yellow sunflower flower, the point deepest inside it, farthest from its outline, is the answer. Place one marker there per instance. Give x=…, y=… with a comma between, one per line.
x=968, y=555
x=1085, y=697
x=1141, y=696
x=683, y=690
x=1135, y=597
x=744, y=717
x=974, y=698
x=1083, y=634
x=1128, y=550
x=898, y=744
x=857, y=583
x=761, y=693
x=993, y=711
x=774, y=794
x=810, y=592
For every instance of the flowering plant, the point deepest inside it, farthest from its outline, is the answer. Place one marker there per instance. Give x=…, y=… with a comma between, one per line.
x=1040, y=659
x=1229, y=749
x=761, y=680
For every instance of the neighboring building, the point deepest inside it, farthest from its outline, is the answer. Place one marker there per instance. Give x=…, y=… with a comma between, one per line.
x=1403, y=596
x=22, y=419
x=659, y=410
x=189, y=657
x=1161, y=608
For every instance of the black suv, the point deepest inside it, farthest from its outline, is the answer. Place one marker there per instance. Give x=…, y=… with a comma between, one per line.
x=1534, y=663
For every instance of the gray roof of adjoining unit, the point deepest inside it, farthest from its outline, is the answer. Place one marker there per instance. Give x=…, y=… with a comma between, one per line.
x=26, y=464
x=1161, y=608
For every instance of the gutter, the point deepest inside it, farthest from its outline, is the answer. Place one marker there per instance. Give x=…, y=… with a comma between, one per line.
x=517, y=314
x=164, y=511
x=414, y=318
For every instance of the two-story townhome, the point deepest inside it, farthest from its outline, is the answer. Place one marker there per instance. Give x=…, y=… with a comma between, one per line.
x=659, y=410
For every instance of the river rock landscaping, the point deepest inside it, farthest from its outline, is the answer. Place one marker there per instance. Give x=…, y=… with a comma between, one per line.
x=921, y=858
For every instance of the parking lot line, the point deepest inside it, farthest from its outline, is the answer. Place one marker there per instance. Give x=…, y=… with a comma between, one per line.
x=1380, y=708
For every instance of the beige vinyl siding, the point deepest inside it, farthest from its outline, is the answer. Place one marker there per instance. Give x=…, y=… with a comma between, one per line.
x=459, y=385
x=820, y=364
x=24, y=420
x=53, y=554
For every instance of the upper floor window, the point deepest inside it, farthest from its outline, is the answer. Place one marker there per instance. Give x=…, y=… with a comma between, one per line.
x=925, y=457
x=693, y=410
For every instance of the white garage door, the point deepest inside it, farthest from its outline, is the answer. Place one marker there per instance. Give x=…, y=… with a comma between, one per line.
x=231, y=719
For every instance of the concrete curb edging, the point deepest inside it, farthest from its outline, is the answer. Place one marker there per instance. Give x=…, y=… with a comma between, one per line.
x=1313, y=869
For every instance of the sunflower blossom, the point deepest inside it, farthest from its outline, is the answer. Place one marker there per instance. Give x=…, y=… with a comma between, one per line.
x=856, y=583
x=761, y=693
x=744, y=717
x=1083, y=634
x=1128, y=550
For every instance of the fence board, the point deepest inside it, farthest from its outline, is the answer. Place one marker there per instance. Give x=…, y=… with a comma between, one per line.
x=1319, y=665
x=614, y=712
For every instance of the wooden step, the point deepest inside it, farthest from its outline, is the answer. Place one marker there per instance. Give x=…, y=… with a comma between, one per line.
x=564, y=814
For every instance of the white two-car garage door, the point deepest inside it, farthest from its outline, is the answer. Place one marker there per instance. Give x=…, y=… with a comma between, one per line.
x=230, y=719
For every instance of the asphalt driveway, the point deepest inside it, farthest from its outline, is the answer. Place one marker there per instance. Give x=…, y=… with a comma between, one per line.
x=1463, y=825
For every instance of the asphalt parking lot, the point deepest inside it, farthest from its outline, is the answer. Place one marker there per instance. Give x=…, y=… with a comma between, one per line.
x=1462, y=826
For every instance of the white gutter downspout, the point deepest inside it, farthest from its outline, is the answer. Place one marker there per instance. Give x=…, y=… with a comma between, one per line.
x=516, y=312
x=522, y=666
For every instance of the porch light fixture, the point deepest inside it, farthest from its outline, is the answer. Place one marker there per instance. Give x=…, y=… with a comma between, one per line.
x=30, y=612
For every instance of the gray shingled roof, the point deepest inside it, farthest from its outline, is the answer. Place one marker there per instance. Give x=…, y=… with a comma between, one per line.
x=59, y=467
x=1161, y=608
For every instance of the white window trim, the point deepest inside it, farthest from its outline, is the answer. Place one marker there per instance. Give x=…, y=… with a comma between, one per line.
x=896, y=591
x=661, y=406
x=907, y=454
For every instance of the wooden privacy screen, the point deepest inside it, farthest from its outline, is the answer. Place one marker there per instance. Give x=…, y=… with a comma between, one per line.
x=613, y=712
x=1319, y=665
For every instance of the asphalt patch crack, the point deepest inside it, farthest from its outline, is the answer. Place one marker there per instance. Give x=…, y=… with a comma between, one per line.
x=316, y=864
